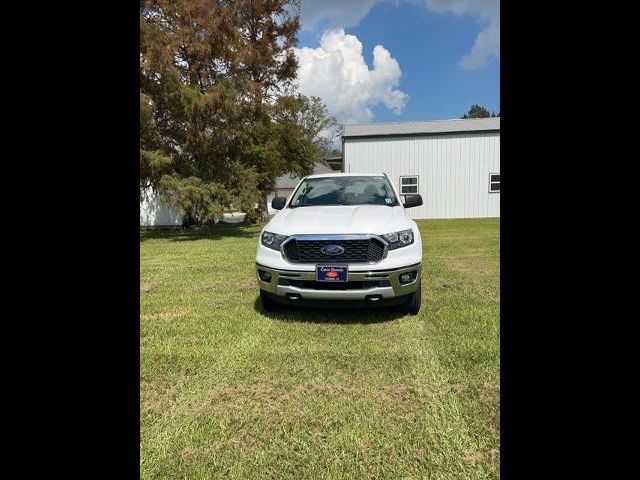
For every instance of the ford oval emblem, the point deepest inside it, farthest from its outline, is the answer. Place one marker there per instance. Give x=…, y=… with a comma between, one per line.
x=332, y=250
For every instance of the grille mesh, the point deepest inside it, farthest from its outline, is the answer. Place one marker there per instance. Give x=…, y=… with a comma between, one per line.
x=291, y=251
x=355, y=251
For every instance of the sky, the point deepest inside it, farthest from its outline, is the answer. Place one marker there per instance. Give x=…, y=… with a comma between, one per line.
x=400, y=60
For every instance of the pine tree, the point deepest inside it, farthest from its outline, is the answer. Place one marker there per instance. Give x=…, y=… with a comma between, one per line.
x=217, y=110
x=477, y=111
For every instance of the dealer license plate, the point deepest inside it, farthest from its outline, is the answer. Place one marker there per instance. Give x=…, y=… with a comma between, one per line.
x=332, y=273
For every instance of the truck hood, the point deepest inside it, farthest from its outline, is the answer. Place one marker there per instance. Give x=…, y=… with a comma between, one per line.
x=374, y=219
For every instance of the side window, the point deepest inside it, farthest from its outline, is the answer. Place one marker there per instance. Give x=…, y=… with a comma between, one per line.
x=494, y=183
x=409, y=184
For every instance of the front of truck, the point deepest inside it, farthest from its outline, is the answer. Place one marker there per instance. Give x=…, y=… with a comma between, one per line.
x=341, y=238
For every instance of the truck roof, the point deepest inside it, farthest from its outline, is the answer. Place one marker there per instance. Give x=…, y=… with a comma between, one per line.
x=342, y=174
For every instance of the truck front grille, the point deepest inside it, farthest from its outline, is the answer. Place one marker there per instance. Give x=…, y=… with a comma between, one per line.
x=366, y=250
x=353, y=285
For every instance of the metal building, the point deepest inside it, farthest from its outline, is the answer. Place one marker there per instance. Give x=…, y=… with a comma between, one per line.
x=453, y=164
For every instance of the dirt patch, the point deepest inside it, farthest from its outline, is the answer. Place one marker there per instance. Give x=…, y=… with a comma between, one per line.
x=244, y=285
x=158, y=402
x=218, y=286
x=165, y=316
x=247, y=285
x=458, y=387
x=258, y=391
x=268, y=394
x=218, y=303
x=489, y=457
x=489, y=393
x=475, y=266
x=254, y=412
x=398, y=395
x=474, y=458
x=206, y=452
x=147, y=287
x=486, y=393
x=207, y=287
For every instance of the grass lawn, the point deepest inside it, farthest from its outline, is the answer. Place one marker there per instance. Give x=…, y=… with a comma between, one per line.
x=227, y=391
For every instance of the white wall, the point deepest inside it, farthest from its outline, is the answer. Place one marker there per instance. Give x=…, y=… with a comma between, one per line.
x=453, y=170
x=270, y=211
x=153, y=213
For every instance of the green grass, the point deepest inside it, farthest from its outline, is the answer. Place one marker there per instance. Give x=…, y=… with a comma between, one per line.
x=227, y=391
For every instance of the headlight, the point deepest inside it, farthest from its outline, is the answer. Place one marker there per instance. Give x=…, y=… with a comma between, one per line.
x=399, y=239
x=272, y=240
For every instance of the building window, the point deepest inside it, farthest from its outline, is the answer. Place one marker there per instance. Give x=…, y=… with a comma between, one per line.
x=408, y=185
x=494, y=183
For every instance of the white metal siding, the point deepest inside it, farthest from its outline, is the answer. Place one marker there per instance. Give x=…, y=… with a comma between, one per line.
x=453, y=170
x=154, y=213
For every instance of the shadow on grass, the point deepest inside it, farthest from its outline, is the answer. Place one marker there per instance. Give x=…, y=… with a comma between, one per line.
x=221, y=230
x=331, y=314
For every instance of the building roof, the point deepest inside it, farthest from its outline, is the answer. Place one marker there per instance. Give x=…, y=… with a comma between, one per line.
x=290, y=181
x=430, y=127
x=334, y=162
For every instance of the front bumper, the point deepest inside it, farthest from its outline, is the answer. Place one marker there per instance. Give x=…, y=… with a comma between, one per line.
x=388, y=281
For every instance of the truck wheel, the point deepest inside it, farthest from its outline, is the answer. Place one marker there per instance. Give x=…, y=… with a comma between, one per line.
x=412, y=306
x=268, y=304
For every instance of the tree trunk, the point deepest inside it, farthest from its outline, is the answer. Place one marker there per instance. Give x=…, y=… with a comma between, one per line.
x=265, y=207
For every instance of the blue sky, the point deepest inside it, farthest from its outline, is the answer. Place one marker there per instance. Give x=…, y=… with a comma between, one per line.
x=437, y=58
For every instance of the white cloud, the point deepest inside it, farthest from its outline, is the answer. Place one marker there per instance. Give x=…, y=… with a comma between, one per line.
x=337, y=72
x=487, y=43
x=336, y=13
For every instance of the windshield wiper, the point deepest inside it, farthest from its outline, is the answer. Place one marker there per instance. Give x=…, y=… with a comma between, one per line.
x=343, y=204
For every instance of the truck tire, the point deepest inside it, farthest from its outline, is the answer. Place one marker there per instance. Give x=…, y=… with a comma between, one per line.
x=412, y=307
x=268, y=304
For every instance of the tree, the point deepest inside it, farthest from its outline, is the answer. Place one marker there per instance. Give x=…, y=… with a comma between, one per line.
x=200, y=202
x=154, y=162
x=477, y=111
x=216, y=102
x=334, y=152
x=319, y=125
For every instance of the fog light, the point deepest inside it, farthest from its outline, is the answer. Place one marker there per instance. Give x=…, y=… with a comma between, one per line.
x=406, y=278
x=264, y=276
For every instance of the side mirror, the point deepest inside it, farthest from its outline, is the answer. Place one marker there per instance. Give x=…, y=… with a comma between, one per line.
x=412, y=200
x=278, y=203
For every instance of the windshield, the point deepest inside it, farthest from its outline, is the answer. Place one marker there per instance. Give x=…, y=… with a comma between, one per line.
x=349, y=190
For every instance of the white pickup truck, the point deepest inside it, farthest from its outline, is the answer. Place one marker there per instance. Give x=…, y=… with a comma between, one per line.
x=342, y=239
